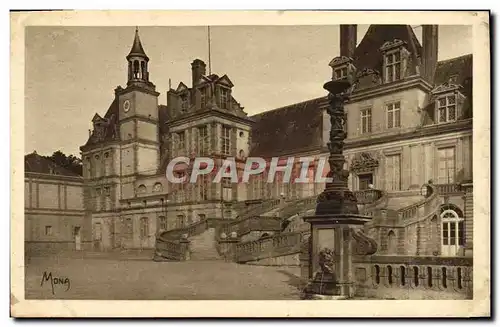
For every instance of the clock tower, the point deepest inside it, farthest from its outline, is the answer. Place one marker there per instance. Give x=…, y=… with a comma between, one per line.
x=138, y=116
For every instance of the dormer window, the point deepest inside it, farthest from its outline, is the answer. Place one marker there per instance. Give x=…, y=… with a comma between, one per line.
x=447, y=108
x=340, y=72
x=396, y=58
x=184, y=102
x=448, y=103
x=392, y=66
x=224, y=98
x=342, y=67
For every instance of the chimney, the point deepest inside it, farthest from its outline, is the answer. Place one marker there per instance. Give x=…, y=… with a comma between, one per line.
x=198, y=69
x=348, y=40
x=429, y=51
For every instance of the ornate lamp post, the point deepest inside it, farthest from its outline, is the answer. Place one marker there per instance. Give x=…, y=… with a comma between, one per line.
x=335, y=223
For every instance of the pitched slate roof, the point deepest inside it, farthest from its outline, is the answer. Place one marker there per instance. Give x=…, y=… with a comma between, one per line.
x=365, y=55
x=111, y=127
x=461, y=69
x=137, y=49
x=35, y=163
x=290, y=129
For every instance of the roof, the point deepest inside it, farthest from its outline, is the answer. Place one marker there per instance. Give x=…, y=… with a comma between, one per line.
x=289, y=129
x=35, y=163
x=107, y=128
x=459, y=68
x=137, y=49
x=373, y=40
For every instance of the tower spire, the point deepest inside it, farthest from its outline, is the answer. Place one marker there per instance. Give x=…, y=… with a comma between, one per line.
x=137, y=62
x=137, y=50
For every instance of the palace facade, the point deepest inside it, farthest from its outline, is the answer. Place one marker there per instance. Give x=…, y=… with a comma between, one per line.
x=409, y=123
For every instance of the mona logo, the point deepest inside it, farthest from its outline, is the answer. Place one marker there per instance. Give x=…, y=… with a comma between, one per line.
x=55, y=281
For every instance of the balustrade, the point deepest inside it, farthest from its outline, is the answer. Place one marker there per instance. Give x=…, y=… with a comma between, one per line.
x=450, y=275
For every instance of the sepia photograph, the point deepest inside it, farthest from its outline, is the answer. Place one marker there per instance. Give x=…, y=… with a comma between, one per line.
x=298, y=162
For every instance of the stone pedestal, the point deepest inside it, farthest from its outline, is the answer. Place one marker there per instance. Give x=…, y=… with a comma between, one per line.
x=334, y=233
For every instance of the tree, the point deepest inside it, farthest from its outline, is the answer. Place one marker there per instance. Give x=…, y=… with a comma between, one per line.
x=71, y=162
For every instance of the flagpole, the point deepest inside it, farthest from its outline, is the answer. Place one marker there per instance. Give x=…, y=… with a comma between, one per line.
x=209, y=54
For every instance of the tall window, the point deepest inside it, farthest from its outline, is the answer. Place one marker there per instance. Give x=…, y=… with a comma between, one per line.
x=256, y=187
x=224, y=98
x=447, y=109
x=227, y=190
x=392, y=66
x=203, y=140
x=203, y=185
x=392, y=244
x=180, y=221
x=340, y=72
x=144, y=227
x=394, y=115
x=48, y=230
x=184, y=102
x=226, y=140
x=446, y=171
x=453, y=236
x=181, y=143
x=393, y=172
x=98, y=231
x=180, y=188
x=366, y=121
x=162, y=223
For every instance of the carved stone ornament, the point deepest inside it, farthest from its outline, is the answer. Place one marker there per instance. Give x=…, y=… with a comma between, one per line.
x=446, y=87
x=396, y=43
x=364, y=161
x=341, y=60
x=364, y=244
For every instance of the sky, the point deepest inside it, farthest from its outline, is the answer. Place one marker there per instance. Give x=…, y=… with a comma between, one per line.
x=71, y=72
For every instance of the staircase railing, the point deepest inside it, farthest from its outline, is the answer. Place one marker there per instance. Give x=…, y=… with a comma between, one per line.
x=272, y=246
x=297, y=206
x=168, y=250
x=258, y=209
x=420, y=209
x=193, y=229
x=449, y=188
x=248, y=224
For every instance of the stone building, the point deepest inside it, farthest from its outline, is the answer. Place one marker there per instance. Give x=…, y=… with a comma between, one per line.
x=409, y=123
x=54, y=212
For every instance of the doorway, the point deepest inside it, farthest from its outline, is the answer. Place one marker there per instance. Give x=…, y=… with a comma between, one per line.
x=77, y=237
x=365, y=180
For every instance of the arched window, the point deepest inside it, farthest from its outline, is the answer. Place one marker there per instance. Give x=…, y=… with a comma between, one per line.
x=141, y=189
x=389, y=274
x=434, y=239
x=459, y=278
x=452, y=223
x=415, y=276
x=402, y=273
x=429, y=276
x=143, y=69
x=136, y=69
x=377, y=274
x=443, y=276
x=392, y=244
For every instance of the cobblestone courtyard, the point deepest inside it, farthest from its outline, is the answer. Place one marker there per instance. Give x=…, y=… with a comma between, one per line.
x=139, y=278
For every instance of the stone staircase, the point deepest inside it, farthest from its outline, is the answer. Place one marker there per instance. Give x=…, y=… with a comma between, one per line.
x=396, y=203
x=203, y=247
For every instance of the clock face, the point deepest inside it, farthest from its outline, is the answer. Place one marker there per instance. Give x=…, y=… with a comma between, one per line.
x=126, y=105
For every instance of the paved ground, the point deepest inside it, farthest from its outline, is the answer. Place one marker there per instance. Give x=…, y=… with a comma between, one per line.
x=139, y=278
